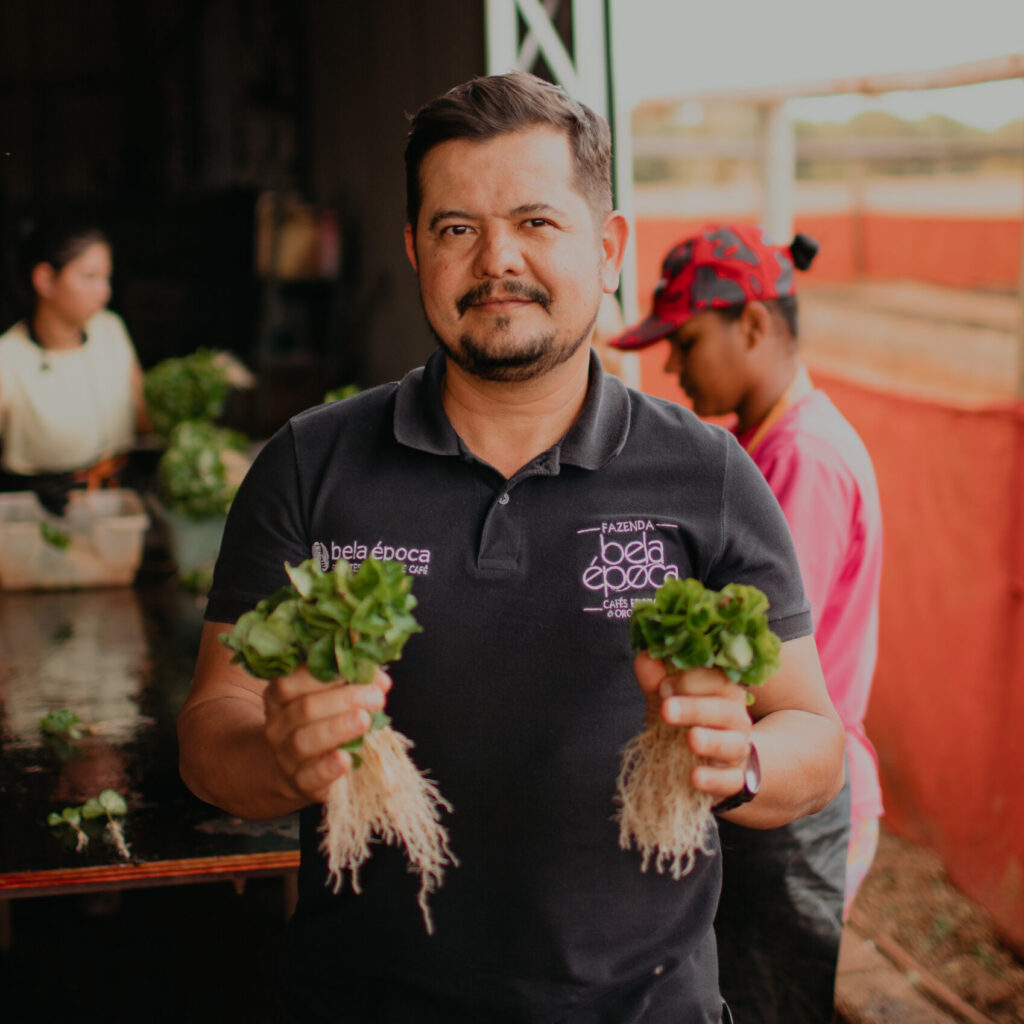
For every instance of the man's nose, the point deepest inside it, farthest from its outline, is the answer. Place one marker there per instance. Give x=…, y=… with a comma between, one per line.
x=499, y=253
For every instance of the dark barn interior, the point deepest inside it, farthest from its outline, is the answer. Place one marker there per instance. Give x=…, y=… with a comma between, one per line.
x=245, y=158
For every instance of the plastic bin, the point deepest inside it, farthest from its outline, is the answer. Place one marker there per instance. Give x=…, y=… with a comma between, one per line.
x=105, y=531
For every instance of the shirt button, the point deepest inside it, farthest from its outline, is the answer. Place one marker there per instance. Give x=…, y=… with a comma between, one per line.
x=659, y=970
x=503, y=500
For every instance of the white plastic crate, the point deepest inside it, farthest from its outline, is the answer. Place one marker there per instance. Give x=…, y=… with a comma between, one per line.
x=106, y=531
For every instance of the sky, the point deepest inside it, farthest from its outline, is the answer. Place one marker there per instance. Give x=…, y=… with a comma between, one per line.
x=674, y=47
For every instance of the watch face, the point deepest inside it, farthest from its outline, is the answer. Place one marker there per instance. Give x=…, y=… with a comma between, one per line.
x=751, y=784
x=752, y=773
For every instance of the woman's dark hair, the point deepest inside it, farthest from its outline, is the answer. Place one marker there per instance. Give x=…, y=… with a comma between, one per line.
x=55, y=239
x=802, y=251
x=784, y=308
x=484, y=108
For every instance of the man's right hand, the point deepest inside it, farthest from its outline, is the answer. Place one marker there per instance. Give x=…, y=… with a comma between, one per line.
x=261, y=750
x=307, y=721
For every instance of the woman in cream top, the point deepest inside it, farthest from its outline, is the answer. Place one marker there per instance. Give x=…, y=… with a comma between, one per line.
x=70, y=381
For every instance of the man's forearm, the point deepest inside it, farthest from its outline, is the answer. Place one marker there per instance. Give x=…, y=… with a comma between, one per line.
x=226, y=760
x=802, y=768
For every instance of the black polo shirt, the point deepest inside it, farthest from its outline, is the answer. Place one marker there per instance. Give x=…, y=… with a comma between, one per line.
x=519, y=695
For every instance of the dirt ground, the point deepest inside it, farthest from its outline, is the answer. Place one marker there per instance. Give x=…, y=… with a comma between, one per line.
x=908, y=900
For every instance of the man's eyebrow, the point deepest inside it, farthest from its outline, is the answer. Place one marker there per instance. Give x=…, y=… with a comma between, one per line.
x=449, y=215
x=526, y=210
x=530, y=208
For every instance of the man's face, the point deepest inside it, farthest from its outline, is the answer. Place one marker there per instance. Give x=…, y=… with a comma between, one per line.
x=708, y=355
x=512, y=265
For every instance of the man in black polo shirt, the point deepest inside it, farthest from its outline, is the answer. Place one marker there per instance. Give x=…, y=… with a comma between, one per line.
x=533, y=499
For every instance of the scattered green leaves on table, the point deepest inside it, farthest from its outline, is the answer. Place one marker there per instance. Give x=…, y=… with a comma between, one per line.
x=689, y=626
x=54, y=535
x=64, y=724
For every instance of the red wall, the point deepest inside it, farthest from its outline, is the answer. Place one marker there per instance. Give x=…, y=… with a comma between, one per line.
x=947, y=707
x=963, y=252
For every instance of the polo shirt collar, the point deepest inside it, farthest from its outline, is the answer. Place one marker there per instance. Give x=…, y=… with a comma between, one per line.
x=597, y=436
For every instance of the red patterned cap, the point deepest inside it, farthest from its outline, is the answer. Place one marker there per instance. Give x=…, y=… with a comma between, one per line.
x=723, y=265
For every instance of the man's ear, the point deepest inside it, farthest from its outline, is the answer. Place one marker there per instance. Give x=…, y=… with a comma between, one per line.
x=44, y=278
x=410, y=247
x=756, y=321
x=614, y=236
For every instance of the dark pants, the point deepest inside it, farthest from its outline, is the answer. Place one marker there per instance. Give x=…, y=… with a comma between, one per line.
x=780, y=917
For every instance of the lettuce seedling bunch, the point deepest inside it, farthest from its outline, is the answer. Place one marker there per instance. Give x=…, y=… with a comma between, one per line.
x=191, y=387
x=686, y=626
x=337, y=623
x=689, y=626
x=341, y=625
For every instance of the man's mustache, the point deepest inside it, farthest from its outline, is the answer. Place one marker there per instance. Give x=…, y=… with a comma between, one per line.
x=510, y=289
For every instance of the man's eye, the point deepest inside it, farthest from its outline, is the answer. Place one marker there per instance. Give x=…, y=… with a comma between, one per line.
x=538, y=222
x=455, y=229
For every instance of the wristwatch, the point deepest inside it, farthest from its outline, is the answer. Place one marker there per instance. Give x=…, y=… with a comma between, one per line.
x=751, y=785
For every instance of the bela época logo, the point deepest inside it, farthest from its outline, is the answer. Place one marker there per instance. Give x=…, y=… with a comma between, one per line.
x=628, y=564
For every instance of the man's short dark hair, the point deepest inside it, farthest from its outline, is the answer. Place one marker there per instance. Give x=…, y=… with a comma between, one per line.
x=484, y=108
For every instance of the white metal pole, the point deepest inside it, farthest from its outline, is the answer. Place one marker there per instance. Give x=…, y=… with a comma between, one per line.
x=778, y=172
x=588, y=31
x=622, y=178
x=502, y=30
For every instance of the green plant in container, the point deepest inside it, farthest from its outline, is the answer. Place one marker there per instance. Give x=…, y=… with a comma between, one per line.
x=201, y=469
x=192, y=387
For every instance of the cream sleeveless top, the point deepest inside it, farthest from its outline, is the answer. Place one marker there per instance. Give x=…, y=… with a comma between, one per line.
x=64, y=409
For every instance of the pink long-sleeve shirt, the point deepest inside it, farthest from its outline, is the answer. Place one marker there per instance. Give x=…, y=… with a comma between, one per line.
x=822, y=475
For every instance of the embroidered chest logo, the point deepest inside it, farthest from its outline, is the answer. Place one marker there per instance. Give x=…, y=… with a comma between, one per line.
x=628, y=562
x=415, y=560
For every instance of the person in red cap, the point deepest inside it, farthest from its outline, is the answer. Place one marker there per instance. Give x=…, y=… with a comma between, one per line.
x=726, y=305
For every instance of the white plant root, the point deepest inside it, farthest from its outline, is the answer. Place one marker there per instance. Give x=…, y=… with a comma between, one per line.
x=660, y=813
x=386, y=797
x=118, y=839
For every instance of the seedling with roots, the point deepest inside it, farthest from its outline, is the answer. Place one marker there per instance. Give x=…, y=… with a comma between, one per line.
x=111, y=804
x=686, y=626
x=341, y=625
x=72, y=818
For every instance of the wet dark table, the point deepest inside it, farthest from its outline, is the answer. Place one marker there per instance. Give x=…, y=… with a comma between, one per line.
x=121, y=659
